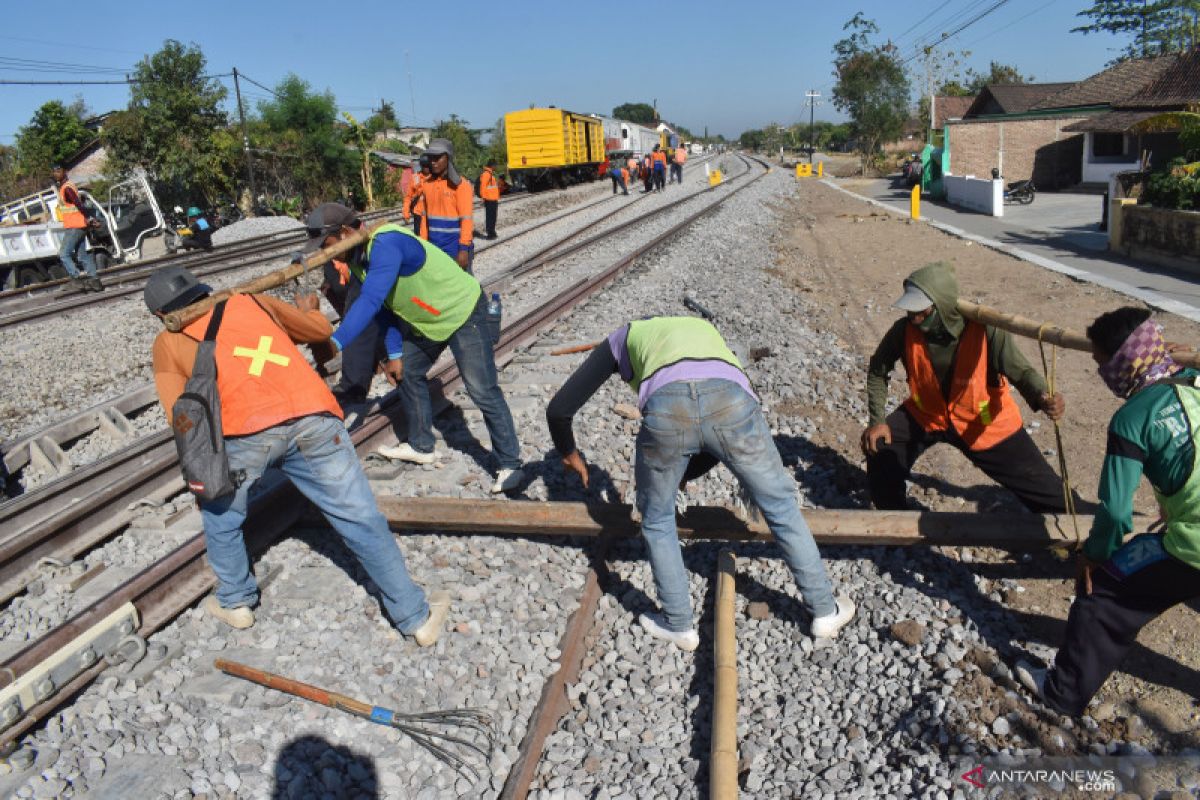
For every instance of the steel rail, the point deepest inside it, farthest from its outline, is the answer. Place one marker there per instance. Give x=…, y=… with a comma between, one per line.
x=163, y=590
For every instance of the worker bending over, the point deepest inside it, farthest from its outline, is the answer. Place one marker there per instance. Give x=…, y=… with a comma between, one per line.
x=423, y=302
x=697, y=404
x=958, y=374
x=277, y=412
x=449, y=204
x=1123, y=585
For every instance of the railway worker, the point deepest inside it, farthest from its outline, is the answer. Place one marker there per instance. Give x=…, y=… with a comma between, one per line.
x=202, y=232
x=412, y=198
x=449, y=203
x=659, y=159
x=677, y=162
x=423, y=302
x=77, y=216
x=646, y=173
x=958, y=376
x=489, y=192
x=1123, y=585
x=698, y=409
x=631, y=164
x=618, y=177
x=276, y=412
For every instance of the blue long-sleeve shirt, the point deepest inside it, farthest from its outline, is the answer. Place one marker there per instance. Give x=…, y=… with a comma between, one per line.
x=394, y=255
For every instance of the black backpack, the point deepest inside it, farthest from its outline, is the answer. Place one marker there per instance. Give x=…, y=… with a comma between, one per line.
x=196, y=423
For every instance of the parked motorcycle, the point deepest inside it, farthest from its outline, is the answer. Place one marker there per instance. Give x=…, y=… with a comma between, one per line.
x=912, y=171
x=1021, y=192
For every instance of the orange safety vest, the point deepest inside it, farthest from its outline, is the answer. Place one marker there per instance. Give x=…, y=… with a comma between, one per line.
x=71, y=216
x=412, y=195
x=489, y=187
x=982, y=415
x=680, y=155
x=262, y=378
x=343, y=271
x=659, y=156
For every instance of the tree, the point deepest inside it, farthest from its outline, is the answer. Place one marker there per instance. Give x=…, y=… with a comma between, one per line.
x=934, y=70
x=871, y=87
x=382, y=118
x=300, y=127
x=643, y=113
x=54, y=134
x=1156, y=26
x=1002, y=74
x=170, y=126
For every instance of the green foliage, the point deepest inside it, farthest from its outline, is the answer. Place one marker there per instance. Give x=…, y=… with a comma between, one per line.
x=54, y=134
x=382, y=118
x=871, y=87
x=1175, y=188
x=498, y=149
x=997, y=74
x=1156, y=26
x=636, y=112
x=170, y=126
x=300, y=129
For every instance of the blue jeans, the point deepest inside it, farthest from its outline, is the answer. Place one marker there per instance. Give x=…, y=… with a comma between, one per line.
x=316, y=454
x=720, y=418
x=74, y=247
x=471, y=345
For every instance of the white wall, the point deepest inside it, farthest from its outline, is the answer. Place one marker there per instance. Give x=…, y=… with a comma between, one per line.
x=977, y=194
x=1101, y=170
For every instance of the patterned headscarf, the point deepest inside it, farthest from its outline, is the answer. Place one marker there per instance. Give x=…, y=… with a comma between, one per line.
x=1141, y=360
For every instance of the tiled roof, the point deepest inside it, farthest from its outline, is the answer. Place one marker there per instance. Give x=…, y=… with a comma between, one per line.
x=1178, y=85
x=1120, y=84
x=948, y=107
x=1110, y=122
x=1011, y=98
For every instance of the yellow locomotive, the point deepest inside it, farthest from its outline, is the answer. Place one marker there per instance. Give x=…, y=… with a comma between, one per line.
x=553, y=147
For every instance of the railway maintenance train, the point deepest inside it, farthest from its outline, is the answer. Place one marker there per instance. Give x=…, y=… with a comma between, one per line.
x=553, y=147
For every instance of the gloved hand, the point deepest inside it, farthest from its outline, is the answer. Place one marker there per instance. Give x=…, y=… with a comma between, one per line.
x=323, y=351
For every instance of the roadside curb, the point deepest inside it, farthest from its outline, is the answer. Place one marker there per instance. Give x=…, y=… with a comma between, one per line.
x=1150, y=298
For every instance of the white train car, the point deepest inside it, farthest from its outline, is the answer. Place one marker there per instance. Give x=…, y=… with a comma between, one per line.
x=621, y=136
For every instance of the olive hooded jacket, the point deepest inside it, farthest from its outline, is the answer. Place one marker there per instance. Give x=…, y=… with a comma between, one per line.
x=942, y=331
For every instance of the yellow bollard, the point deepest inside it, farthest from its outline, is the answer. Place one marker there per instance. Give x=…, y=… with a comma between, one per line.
x=714, y=178
x=915, y=203
x=804, y=170
x=820, y=169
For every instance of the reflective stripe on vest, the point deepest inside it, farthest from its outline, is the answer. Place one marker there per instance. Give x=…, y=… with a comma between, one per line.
x=982, y=415
x=1182, y=509
x=437, y=299
x=262, y=378
x=656, y=343
x=71, y=216
x=489, y=187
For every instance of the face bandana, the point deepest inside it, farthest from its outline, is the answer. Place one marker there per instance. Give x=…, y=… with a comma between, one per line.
x=1141, y=360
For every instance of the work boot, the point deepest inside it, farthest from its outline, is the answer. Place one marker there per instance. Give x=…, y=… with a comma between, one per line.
x=507, y=480
x=1032, y=678
x=655, y=626
x=827, y=627
x=74, y=283
x=94, y=284
x=431, y=629
x=240, y=617
x=405, y=452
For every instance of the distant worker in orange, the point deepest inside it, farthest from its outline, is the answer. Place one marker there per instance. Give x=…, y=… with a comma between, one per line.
x=618, y=177
x=631, y=164
x=677, y=163
x=489, y=191
x=659, y=165
x=412, y=195
x=449, y=201
x=77, y=217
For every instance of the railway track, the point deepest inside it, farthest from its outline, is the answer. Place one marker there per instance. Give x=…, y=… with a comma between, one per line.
x=163, y=590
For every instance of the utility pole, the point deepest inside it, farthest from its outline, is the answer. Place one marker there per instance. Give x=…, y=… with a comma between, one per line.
x=237, y=89
x=812, y=99
x=412, y=101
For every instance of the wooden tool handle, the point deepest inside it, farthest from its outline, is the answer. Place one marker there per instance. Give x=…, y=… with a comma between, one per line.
x=578, y=348
x=292, y=687
x=178, y=320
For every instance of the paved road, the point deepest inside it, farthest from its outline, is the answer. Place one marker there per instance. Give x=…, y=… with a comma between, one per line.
x=1059, y=232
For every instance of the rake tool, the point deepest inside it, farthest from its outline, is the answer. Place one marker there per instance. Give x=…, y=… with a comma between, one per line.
x=422, y=728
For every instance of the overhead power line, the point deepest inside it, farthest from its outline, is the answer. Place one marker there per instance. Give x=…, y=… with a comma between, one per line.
x=947, y=36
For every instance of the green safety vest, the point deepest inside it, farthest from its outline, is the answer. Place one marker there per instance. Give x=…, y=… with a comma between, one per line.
x=1182, y=539
x=437, y=299
x=656, y=343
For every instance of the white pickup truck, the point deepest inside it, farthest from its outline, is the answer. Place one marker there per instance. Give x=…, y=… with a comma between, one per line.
x=30, y=232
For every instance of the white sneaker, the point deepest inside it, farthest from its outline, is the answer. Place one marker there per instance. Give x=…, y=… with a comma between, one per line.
x=685, y=640
x=240, y=617
x=507, y=480
x=405, y=452
x=681, y=502
x=431, y=629
x=1032, y=678
x=828, y=626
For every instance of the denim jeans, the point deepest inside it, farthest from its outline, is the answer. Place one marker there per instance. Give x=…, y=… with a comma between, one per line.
x=74, y=248
x=720, y=418
x=315, y=453
x=471, y=345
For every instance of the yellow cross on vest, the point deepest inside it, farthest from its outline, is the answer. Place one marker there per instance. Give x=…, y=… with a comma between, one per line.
x=261, y=356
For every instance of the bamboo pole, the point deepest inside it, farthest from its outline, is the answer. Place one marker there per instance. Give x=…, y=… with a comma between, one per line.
x=1015, y=531
x=178, y=320
x=1048, y=333
x=723, y=757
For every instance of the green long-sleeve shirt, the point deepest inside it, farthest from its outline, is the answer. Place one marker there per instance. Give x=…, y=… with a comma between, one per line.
x=1004, y=358
x=1149, y=434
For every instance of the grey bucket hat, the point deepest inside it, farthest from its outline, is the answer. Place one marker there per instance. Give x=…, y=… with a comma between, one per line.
x=439, y=147
x=913, y=299
x=326, y=219
x=173, y=288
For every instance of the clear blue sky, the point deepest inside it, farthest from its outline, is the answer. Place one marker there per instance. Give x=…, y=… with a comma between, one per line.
x=730, y=66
